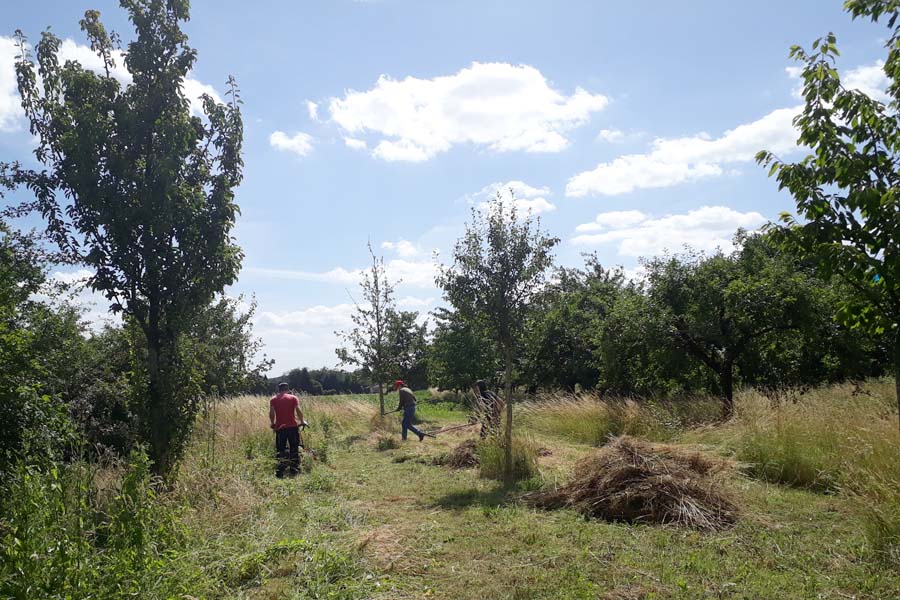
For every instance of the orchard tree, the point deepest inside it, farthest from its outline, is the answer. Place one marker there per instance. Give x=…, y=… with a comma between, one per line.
x=140, y=191
x=716, y=307
x=368, y=344
x=408, y=347
x=460, y=354
x=499, y=266
x=847, y=190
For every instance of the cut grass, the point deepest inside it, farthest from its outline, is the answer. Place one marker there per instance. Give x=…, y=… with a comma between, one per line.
x=388, y=528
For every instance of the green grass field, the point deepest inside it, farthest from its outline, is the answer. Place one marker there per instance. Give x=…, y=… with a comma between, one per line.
x=388, y=524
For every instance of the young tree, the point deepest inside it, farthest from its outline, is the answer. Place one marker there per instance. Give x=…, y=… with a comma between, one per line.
x=140, y=191
x=848, y=189
x=499, y=266
x=368, y=344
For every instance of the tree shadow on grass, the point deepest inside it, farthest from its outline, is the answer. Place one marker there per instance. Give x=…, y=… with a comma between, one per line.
x=462, y=499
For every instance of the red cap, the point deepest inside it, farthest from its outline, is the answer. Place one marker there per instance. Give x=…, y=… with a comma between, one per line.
x=398, y=384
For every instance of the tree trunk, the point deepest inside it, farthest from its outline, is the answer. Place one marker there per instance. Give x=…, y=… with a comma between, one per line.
x=897, y=372
x=726, y=383
x=507, y=455
x=381, y=396
x=155, y=401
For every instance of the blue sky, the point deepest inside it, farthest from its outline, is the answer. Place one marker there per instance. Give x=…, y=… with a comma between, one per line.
x=628, y=126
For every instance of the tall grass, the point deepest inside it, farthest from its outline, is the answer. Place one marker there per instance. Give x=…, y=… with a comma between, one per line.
x=492, y=458
x=838, y=439
x=591, y=419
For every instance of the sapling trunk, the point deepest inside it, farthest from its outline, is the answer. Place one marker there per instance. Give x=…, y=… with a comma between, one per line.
x=507, y=455
x=897, y=372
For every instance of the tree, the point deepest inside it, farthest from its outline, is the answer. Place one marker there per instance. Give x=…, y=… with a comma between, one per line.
x=847, y=190
x=223, y=349
x=368, y=345
x=408, y=348
x=499, y=266
x=148, y=192
x=459, y=354
x=560, y=348
x=717, y=306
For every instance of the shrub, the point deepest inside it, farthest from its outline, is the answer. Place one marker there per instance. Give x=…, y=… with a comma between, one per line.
x=491, y=458
x=60, y=538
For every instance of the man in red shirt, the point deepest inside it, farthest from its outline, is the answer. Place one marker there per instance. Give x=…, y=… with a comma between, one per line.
x=285, y=419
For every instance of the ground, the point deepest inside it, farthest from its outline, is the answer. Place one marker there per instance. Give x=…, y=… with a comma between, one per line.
x=388, y=524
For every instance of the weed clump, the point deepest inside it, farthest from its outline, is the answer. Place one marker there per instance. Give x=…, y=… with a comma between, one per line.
x=638, y=482
x=386, y=442
x=491, y=455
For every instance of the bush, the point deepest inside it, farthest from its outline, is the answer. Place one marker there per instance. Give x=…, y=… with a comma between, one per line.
x=492, y=458
x=60, y=537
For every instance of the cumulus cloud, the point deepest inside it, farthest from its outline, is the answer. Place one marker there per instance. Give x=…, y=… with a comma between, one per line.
x=312, y=108
x=638, y=234
x=613, y=136
x=355, y=144
x=528, y=199
x=11, y=113
x=672, y=161
x=300, y=143
x=409, y=272
x=414, y=302
x=303, y=337
x=500, y=106
x=403, y=248
x=869, y=79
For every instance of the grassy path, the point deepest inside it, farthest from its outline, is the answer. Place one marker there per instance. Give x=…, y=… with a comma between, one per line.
x=393, y=526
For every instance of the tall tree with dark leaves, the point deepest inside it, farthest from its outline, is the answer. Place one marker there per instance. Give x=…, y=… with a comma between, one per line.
x=136, y=188
x=499, y=266
x=847, y=190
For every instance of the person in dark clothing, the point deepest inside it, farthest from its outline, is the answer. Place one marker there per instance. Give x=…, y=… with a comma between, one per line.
x=408, y=406
x=285, y=418
x=488, y=405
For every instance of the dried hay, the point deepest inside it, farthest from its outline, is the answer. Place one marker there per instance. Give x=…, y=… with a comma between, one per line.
x=464, y=456
x=638, y=482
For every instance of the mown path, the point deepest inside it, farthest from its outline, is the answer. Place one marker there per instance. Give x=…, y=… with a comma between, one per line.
x=417, y=530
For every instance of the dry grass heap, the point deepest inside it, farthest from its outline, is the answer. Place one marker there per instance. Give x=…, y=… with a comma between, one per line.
x=464, y=456
x=639, y=482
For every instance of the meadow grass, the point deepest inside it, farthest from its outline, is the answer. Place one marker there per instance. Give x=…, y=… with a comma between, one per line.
x=392, y=525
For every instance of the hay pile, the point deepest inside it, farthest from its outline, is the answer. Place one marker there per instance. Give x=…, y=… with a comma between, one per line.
x=463, y=456
x=639, y=482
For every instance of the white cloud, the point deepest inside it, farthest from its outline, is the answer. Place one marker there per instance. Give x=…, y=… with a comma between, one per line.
x=672, y=161
x=613, y=136
x=636, y=234
x=870, y=80
x=304, y=337
x=528, y=199
x=354, y=143
x=300, y=144
x=414, y=302
x=498, y=105
x=193, y=89
x=616, y=219
x=10, y=108
x=409, y=272
x=403, y=248
x=313, y=109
